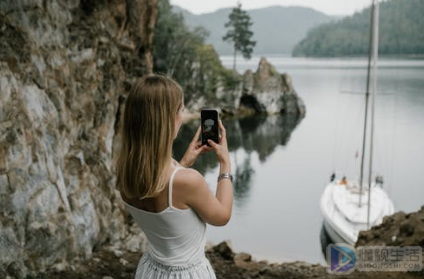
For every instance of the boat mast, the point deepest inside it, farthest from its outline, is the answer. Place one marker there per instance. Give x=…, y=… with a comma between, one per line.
x=367, y=94
x=373, y=93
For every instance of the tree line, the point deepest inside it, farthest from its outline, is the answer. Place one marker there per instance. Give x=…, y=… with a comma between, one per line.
x=401, y=24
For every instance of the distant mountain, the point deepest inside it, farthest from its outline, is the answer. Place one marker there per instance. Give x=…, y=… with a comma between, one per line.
x=276, y=29
x=401, y=28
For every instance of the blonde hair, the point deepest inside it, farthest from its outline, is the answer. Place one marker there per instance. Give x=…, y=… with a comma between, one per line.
x=147, y=133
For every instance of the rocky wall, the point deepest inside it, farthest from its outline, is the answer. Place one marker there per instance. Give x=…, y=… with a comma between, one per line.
x=63, y=66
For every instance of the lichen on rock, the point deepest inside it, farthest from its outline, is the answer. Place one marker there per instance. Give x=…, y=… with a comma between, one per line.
x=63, y=66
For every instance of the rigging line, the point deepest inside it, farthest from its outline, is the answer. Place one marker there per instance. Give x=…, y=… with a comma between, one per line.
x=379, y=131
x=393, y=147
x=358, y=139
x=371, y=34
x=344, y=142
x=336, y=120
x=374, y=89
x=350, y=134
x=392, y=164
x=385, y=138
x=343, y=135
x=338, y=136
x=380, y=139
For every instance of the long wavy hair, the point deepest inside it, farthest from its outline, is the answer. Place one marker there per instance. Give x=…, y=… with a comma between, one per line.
x=147, y=133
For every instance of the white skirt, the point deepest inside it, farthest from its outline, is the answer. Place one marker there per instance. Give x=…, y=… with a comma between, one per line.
x=149, y=268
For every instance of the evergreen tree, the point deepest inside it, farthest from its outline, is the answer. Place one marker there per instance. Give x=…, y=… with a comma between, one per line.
x=239, y=33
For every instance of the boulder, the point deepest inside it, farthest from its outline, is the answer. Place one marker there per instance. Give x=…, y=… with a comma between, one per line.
x=267, y=91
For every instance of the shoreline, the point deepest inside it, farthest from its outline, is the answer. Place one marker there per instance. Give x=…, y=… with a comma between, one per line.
x=109, y=262
x=255, y=256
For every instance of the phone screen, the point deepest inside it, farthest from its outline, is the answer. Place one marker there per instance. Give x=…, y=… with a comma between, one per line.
x=209, y=122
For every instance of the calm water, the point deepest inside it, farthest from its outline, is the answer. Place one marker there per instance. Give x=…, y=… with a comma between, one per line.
x=282, y=166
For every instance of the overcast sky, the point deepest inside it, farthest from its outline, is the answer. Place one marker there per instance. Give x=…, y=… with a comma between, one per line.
x=330, y=7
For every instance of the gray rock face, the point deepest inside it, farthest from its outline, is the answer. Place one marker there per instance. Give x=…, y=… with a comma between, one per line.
x=267, y=91
x=62, y=67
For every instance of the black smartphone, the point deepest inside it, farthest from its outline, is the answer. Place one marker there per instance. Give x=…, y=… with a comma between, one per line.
x=209, y=123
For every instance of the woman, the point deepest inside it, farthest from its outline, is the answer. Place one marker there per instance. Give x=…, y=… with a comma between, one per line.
x=169, y=201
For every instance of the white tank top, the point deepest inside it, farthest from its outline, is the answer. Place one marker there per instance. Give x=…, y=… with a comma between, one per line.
x=174, y=236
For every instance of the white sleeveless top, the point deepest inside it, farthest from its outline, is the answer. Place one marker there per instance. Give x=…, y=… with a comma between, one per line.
x=175, y=236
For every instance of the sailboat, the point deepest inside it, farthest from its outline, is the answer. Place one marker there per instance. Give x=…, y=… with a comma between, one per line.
x=349, y=206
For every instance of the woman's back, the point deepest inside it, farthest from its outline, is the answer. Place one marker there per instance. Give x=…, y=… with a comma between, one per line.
x=175, y=236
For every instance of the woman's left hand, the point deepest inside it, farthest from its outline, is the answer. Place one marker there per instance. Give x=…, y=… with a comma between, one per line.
x=194, y=150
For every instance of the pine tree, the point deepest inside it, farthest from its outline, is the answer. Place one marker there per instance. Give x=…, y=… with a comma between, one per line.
x=239, y=33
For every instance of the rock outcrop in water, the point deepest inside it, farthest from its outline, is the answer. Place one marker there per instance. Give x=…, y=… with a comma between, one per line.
x=267, y=91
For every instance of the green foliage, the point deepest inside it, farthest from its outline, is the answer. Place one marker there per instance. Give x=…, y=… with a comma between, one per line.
x=175, y=46
x=239, y=32
x=400, y=32
x=183, y=55
x=211, y=72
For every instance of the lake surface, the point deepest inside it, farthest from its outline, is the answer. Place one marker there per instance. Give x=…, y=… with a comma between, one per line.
x=282, y=166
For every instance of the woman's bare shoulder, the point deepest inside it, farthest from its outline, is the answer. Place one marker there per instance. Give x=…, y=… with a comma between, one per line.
x=187, y=178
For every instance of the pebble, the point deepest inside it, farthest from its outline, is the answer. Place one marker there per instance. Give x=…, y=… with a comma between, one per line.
x=60, y=267
x=123, y=261
x=118, y=253
x=243, y=257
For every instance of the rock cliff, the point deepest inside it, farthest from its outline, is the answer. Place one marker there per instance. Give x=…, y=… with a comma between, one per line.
x=63, y=65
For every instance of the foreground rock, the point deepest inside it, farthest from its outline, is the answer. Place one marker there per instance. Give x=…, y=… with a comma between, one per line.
x=107, y=264
x=229, y=264
x=399, y=229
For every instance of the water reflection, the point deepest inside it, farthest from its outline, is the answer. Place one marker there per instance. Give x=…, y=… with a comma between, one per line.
x=260, y=134
x=243, y=181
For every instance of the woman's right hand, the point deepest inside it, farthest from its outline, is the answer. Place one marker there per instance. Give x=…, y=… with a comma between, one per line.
x=221, y=149
x=215, y=210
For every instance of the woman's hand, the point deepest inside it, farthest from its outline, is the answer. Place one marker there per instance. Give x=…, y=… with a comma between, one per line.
x=194, y=150
x=221, y=149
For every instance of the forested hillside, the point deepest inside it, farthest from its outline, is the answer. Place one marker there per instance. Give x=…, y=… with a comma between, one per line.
x=400, y=32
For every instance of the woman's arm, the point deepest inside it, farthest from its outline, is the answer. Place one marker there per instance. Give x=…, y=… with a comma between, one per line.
x=215, y=210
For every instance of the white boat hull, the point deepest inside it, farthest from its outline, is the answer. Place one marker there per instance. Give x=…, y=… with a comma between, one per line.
x=344, y=219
